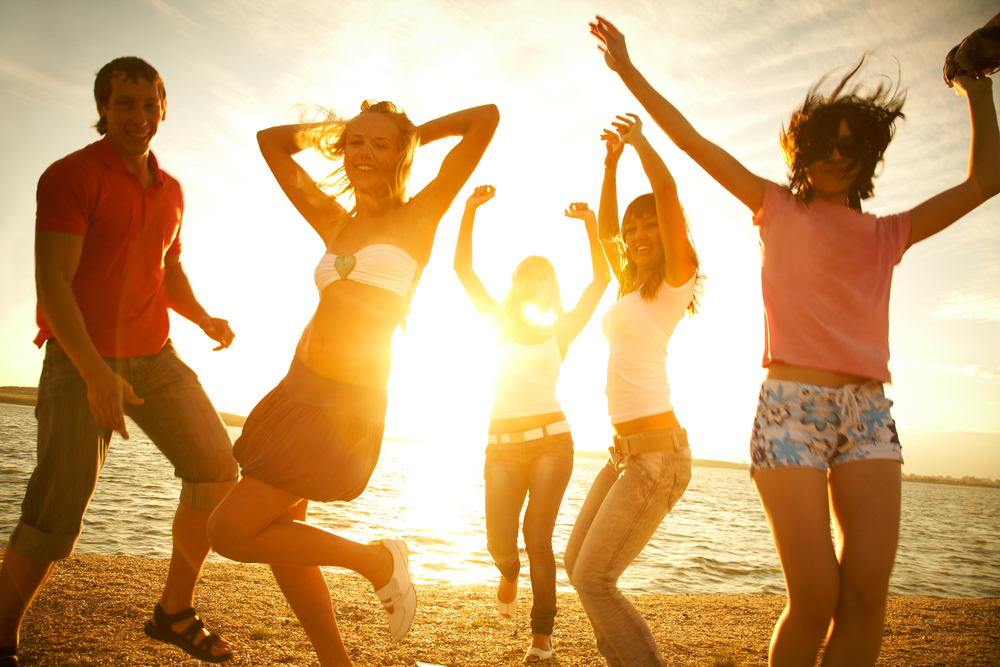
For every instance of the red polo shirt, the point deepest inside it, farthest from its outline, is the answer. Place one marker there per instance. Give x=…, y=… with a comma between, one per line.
x=127, y=233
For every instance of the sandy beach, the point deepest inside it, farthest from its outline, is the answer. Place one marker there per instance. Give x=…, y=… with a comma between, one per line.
x=93, y=608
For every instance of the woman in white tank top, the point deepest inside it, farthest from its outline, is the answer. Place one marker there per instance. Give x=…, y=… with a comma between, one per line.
x=650, y=465
x=529, y=450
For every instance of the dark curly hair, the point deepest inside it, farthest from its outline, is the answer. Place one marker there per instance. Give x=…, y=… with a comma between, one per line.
x=641, y=207
x=813, y=127
x=130, y=68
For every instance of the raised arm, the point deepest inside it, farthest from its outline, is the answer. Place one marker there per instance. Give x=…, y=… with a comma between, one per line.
x=569, y=326
x=720, y=165
x=677, y=251
x=983, y=180
x=185, y=304
x=57, y=256
x=476, y=127
x=607, y=209
x=486, y=305
x=278, y=145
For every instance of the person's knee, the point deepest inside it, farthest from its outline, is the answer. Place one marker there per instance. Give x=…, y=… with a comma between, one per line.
x=223, y=534
x=812, y=606
x=592, y=583
x=538, y=545
x=864, y=596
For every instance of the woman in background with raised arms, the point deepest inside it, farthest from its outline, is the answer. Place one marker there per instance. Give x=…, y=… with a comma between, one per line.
x=530, y=449
x=318, y=434
x=823, y=441
x=650, y=466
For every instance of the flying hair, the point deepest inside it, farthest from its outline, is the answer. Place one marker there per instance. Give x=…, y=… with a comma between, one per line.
x=871, y=113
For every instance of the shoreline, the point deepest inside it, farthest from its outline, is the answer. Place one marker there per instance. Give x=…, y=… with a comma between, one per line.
x=92, y=610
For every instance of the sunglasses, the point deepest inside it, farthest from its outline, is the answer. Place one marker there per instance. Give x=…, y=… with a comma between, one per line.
x=848, y=147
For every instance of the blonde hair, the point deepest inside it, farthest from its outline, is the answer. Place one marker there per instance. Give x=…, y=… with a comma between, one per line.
x=529, y=271
x=329, y=138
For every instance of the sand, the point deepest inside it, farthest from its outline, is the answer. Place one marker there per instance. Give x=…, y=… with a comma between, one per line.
x=92, y=610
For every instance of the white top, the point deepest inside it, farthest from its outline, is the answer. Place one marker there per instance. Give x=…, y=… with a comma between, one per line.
x=638, y=332
x=525, y=380
x=380, y=265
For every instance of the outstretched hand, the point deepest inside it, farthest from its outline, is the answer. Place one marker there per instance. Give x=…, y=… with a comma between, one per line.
x=629, y=128
x=580, y=211
x=611, y=43
x=218, y=330
x=481, y=195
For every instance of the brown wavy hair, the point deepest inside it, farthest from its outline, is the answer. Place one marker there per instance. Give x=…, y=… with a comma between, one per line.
x=329, y=138
x=641, y=207
x=871, y=114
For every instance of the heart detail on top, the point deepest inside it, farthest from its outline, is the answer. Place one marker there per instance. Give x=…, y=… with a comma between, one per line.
x=344, y=265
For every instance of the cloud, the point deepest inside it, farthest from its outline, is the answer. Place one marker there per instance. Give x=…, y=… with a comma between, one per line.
x=171, y=11
x=972, y=370
x=964, y=306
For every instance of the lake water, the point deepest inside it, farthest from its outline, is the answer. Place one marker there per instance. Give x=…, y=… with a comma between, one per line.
x=716, y=539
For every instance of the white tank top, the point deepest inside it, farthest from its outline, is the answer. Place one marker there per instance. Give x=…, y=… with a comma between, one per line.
x=638, y=332
x=525, y=380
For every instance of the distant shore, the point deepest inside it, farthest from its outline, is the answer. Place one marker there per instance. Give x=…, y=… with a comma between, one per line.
x=26, y=396
x=93, y=608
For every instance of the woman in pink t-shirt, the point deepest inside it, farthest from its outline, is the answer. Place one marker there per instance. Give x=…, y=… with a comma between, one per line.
x=823, y=439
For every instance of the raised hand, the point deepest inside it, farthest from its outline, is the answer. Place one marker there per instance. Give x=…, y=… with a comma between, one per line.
x=614, y=145
x=580, y=211
x=964, y=85
x=629, y=128
x=481, y=195
x=611, y=43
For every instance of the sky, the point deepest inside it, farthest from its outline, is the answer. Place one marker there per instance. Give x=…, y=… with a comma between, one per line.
x=735, y=69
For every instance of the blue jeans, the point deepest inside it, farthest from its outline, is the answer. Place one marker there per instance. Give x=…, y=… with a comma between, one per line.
x=541, y=470
x=625, y=505
x=176, y=415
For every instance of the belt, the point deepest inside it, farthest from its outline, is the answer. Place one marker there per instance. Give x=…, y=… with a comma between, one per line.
x=533, y=434
x=669, y=440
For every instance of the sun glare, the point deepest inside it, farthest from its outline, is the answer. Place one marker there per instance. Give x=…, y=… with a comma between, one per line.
x=533, y=315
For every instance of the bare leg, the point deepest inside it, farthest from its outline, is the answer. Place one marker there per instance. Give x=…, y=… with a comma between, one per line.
x=249, y=527
x=20, y=580
x=307, y=592
x=796, y=505
x=191, y=547
x=865, y=496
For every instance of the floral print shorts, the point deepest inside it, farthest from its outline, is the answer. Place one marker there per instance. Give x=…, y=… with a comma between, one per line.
x=807, y=426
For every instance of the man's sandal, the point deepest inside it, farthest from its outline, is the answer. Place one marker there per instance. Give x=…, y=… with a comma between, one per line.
x=8, y=656
x=161, y=628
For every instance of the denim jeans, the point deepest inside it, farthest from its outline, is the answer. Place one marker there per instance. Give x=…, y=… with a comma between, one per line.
x=176, y=415
x=541, y=470
x=625, y=505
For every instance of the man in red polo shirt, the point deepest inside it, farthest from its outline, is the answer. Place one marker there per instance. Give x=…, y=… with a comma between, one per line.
x=107, y=267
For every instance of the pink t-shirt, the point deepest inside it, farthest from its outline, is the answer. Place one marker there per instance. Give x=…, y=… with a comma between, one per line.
x=825, y=276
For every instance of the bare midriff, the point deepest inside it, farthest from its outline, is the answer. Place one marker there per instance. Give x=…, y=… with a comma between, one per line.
x=526, y=423
x=349, y=338
x=781, y=371
x=658, y=422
